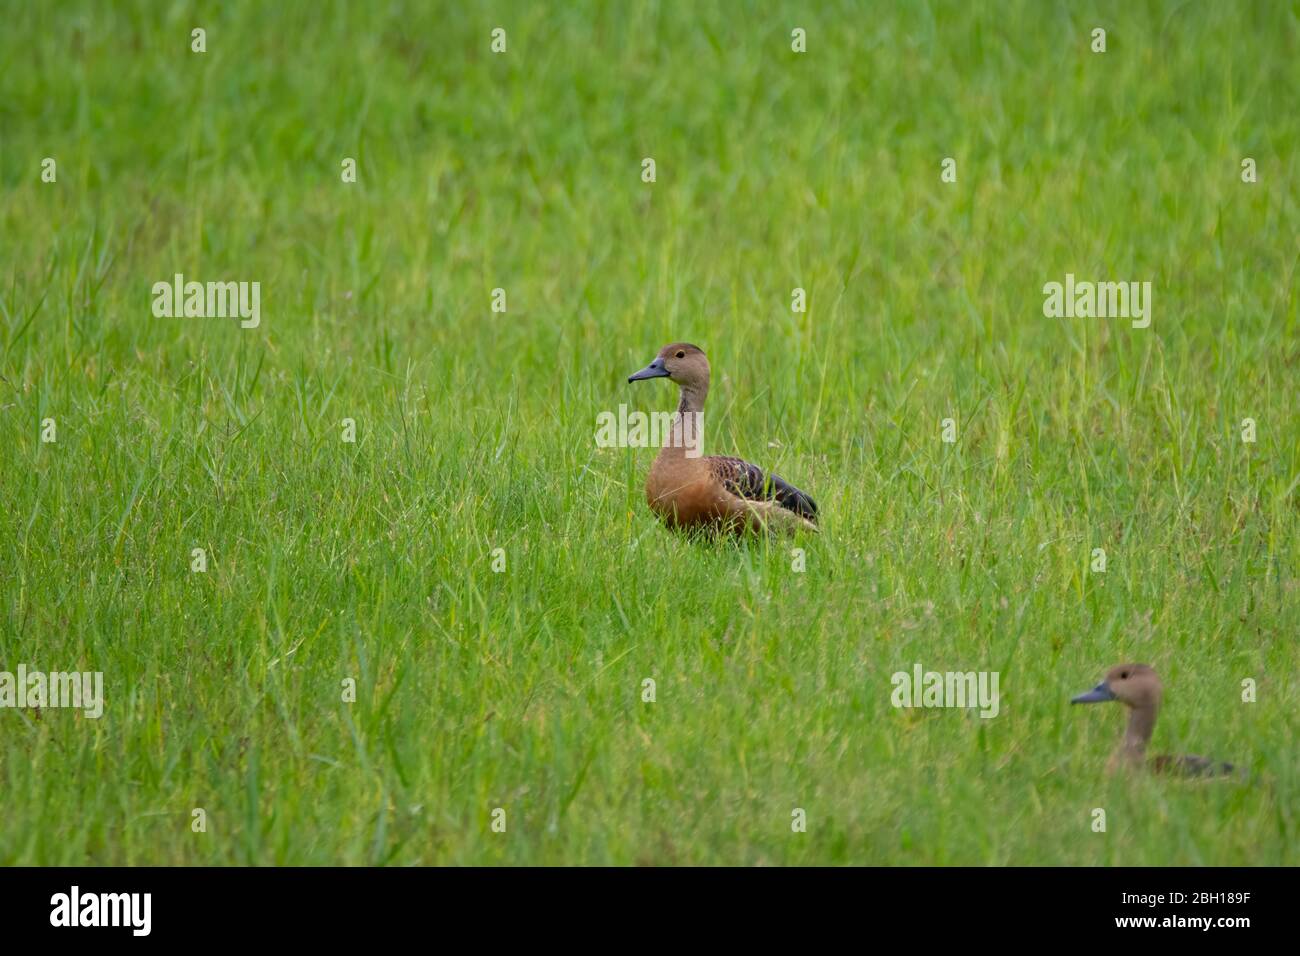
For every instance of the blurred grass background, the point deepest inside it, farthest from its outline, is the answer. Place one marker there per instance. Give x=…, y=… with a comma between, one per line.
x=522, y=171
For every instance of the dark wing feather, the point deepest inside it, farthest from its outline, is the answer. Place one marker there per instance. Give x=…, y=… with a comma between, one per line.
x=1190, y=765
x=749, y=481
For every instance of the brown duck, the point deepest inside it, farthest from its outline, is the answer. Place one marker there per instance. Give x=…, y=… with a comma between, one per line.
x=1137, y=687
x=717, y=493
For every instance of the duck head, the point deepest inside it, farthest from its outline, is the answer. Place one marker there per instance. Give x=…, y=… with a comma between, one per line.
x=682, y=363
x=1134, y=685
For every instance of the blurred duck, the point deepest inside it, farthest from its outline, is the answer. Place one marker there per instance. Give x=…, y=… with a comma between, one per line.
x=688, y=491
x=1137, y=687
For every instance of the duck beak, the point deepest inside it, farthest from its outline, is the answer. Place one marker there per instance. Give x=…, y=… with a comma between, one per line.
x=1097, y=695
x=654, y=370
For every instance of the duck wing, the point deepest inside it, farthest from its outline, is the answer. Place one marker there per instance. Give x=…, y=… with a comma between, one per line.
x=1190, y=765
x=745, y=480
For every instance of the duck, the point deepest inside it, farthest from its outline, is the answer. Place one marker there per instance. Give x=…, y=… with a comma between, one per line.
x=691, y=492
x=1138, y=687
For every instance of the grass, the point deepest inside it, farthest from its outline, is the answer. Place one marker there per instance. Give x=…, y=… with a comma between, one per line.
x=522, y=689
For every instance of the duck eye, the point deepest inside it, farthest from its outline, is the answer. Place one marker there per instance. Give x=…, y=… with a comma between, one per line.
x=681, y=354
x=1124, y=676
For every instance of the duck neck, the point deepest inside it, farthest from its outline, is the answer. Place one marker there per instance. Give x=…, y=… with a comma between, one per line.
x=686, y=439
x=692, y=399
x=1141, y=722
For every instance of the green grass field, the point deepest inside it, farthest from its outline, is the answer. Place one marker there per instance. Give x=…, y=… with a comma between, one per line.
x=522, y=171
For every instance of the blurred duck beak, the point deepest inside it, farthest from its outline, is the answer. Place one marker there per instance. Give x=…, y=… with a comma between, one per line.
x=1097, y=695
x=654, y=370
